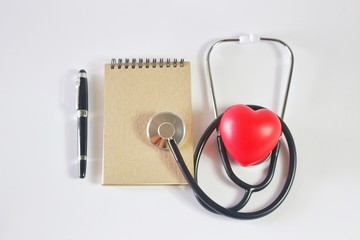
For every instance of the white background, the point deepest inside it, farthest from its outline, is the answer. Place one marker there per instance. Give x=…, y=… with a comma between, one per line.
x=43, y=44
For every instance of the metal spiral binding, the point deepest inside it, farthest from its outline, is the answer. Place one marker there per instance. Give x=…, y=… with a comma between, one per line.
x=140, y=63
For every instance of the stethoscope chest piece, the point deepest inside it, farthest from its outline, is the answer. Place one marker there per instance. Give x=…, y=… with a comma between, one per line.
x=163, y=126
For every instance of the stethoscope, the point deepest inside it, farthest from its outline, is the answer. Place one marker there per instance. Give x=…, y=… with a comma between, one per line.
x=170, y=129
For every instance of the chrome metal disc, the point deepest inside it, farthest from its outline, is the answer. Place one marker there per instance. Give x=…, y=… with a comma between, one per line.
x=163, y=126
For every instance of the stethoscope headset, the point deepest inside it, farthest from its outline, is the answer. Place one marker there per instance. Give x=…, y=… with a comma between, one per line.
x=258, y=122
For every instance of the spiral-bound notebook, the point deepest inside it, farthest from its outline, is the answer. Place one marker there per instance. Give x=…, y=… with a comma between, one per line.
x=133, y=92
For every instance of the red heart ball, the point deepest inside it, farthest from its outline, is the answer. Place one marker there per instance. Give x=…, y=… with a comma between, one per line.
x=249, y=135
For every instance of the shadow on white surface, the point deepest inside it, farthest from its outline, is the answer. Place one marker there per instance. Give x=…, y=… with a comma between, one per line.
x=70, y=121
x=95, y=140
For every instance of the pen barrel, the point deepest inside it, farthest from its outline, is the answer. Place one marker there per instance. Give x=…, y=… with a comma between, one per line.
x=83, y=94
x=82, y=137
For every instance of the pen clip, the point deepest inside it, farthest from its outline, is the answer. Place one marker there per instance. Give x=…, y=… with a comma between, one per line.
x=77, y=82
x=77, y=86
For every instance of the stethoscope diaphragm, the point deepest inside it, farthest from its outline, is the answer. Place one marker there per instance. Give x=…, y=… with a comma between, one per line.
x=163, y=126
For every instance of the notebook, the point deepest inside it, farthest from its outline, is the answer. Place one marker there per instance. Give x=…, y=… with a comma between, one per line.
x=134, y=92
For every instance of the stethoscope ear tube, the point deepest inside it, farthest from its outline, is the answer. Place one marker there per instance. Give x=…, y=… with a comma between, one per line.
x=233, y=212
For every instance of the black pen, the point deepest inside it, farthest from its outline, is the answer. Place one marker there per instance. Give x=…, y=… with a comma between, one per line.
x=82, y=115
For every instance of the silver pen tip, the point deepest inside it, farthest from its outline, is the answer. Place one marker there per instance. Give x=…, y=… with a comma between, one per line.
x=82, y=73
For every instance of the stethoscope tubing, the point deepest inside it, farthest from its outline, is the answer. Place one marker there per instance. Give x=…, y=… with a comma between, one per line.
x=233, y=212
